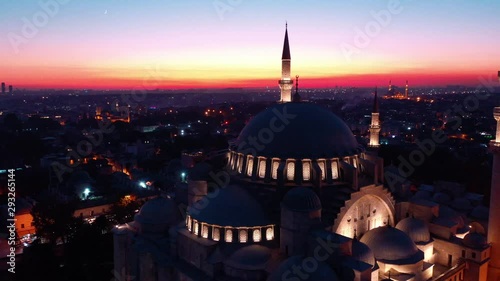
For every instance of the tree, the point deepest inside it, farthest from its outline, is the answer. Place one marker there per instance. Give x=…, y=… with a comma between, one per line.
x=53, y=219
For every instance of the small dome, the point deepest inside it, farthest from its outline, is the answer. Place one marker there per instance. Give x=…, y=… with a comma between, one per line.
x=253, y=257
x=446, y=213
x=229, y=206
x=285, y=271
x=461, y=204
x=159, y=210
x=475, y=240
x=361, y=252
x=480, y=212
x=390, y=244
x=441, y=198
x=308, y=131
x=301, y=199
x=416, y=229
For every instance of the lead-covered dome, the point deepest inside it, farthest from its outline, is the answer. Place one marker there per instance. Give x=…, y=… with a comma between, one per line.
x=297, y=130
x=157, y=214
x=416, y=229
x=392, y=245
x=361, y=252
x=301, y=199
x=230, y=206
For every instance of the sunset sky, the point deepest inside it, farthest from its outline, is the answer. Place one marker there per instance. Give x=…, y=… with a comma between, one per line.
x=237, y=43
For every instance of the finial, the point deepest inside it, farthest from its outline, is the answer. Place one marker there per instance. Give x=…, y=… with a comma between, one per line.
x=286, y=24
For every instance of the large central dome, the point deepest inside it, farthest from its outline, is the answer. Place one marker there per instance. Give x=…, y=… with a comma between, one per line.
x=297, y=130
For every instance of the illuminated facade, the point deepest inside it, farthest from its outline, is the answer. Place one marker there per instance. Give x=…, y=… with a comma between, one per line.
x=294, y=181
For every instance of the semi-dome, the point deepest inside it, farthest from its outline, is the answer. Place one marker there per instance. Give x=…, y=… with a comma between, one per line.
x=286, y=271
x=475, y=240
x=159, y=210
x=253, y=257
x=392, y=245
x=301, y=199
x=230, y=206
x=416, y=229
x=297, y=130
x=361, y=252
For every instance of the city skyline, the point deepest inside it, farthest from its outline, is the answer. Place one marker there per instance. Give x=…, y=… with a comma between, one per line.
x=224, y=44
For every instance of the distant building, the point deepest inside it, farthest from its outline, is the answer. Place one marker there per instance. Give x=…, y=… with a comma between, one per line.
x=10, y=89
x=3, y=87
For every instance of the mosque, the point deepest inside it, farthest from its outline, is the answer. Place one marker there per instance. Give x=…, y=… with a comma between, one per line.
x=300, y=199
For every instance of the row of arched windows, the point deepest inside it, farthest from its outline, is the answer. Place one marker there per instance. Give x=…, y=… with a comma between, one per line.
x=237, y=162
x=230, y=234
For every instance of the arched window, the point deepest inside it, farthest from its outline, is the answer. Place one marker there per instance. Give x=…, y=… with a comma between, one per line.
x=290, y=170
x=274, y=172
x=262, y=168
x=249, y=166
x=229, y=235
x=243, y=235
x=195, y=230
x=215, y=234
x=188, y=222
x=335, y=170
x=256, y=235
x=322, y=167
x=204, y=231
x=306, y=170
x=240, y=163
x=269, y=234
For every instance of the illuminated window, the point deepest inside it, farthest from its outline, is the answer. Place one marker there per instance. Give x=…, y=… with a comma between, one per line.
x=189, y=223
x=229, y=235
x=243, y=235
x=250, y=166
x=290, y=170
x=274, y=173
x=335, y=170
x=240, y=163
x=269, y=234
x=215, y=234
x=322, y=166
x=262, y=168
x=231, y=159
x=195, y=231
x=204, y=231
x=306, y=170
x=355, y=162
x=256, y=235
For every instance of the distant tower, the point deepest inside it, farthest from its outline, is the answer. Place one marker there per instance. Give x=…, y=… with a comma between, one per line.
x=406, y=90
x=375, y=125
x=3, y=88
x=494, y=218
x=390, y=86
x=296, y=96
x=10, y=89
x=286, y=82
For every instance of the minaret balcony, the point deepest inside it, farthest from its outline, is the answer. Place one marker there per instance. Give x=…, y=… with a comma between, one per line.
x=285, y=81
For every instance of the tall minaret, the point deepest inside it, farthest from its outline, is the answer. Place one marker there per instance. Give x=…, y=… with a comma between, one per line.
x=494, y=218
x=406, y=90
x=390, y=86
x=375, y=125
x=286, y=82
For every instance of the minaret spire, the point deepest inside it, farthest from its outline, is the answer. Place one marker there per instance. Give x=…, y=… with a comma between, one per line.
x=375, y=124
x=286, y=82
x=406, y=89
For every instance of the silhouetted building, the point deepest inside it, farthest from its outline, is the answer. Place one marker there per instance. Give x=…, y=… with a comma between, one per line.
x=3, y=87
x=10, y=89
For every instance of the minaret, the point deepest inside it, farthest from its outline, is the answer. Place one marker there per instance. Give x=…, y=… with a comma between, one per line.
x=494, y=218
x=375, y=125
x=390, y=86
x=406, y=90
x=286, y=82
